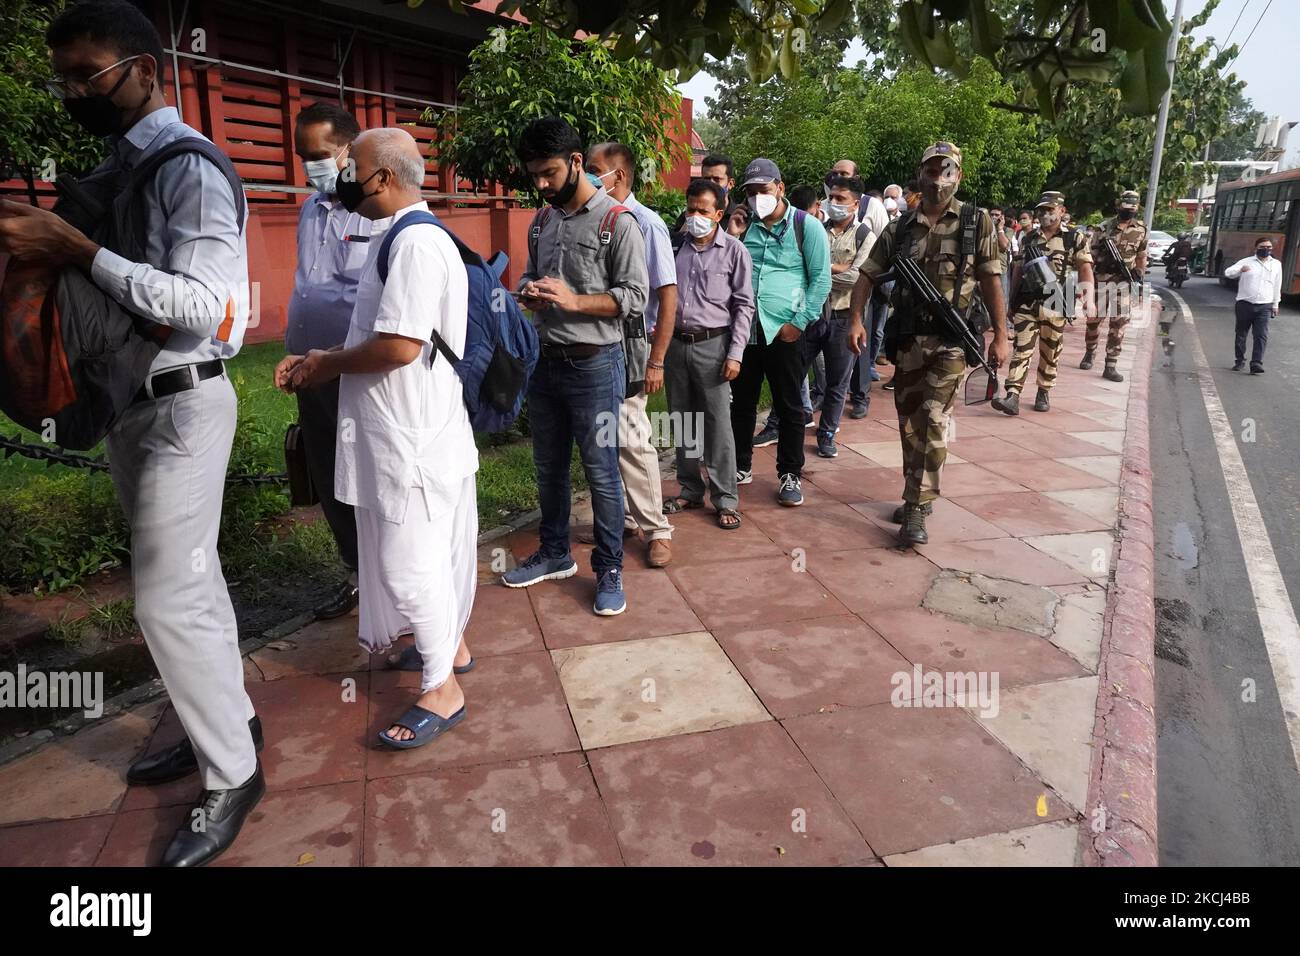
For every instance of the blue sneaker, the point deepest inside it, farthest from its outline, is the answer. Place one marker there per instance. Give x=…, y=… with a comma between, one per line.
x=609, y=594
x=536, y=568
x=826, y=445
x=875, y=376
x=790, y=493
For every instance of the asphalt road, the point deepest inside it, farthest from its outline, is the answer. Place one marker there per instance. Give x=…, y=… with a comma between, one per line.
x=1229, y=793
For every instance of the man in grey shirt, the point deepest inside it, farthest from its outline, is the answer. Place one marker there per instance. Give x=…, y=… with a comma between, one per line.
x=586, y=275
x=169, y=450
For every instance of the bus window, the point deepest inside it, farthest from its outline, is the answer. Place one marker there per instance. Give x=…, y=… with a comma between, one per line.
x=1267, y=196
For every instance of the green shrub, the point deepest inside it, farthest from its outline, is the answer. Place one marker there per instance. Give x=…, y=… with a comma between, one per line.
x=59, y=529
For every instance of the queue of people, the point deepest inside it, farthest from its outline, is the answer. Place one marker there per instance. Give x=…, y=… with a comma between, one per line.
x=760, y=281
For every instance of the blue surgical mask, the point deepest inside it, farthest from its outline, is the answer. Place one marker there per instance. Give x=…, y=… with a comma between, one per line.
x=597, y=180
x=323, y=174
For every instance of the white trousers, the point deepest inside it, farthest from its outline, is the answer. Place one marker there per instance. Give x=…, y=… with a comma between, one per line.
x=168, y=460
x=419, y=576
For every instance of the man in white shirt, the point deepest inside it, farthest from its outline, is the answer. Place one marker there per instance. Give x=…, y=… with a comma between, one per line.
x=169, y=450
x=406, y=457
x=1259, y=290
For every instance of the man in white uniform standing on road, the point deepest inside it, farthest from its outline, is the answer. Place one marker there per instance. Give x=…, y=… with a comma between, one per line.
x=1259, y=292
x=406, y=456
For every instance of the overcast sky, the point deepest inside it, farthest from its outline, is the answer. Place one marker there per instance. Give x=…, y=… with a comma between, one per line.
x=1267, y=61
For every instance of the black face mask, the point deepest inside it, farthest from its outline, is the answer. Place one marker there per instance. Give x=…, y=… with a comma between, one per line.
x=1125, y=215
x=351, y=193
x=565, y=192
x=1263, y=253
x=97, y=114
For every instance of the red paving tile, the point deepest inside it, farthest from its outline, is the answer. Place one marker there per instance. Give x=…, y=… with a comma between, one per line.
x=654, y=608
x=502, y=622
x=1041, y=475
x=852, y=486
x=801, y=666
x=57, y=843
x=940, y=643
x=1030, y=513
x=539, y=812
x=1008, y=558
x=970, y=479
x=948, y=521
x=874, y=580
x=984, y=448
x=914, y=777
x=767, y=590
x=515, y=708
x=823, y=526
x=729, y=797
x=1054, y=444
x=698, y=539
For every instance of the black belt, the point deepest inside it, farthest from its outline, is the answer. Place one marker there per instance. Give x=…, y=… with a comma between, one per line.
x=703, y=335
x=179, y=379
x=569, y=351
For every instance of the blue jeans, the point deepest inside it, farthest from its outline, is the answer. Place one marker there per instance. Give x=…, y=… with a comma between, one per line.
x=578, y=400
x=828, y=339
x=876, y=313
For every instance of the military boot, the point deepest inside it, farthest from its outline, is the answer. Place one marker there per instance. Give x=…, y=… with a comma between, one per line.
x=913, y=529
x=1087, y=359
x=1041, y=404
x=1111, y=373
x=1009, y=403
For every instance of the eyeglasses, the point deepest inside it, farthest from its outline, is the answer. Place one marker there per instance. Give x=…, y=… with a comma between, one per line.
x=65, y=89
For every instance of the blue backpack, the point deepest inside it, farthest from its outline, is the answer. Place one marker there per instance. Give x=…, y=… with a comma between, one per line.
x=501, y=346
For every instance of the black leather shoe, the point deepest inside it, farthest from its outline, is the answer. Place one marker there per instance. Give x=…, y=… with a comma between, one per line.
x=1111, y=373
x=341, y=603
x=1256, y=368
x=213, y=823
x=1238, y=365
x=1087, y=359
x=1009, y=403
x=177, y=760
x=1042, y=403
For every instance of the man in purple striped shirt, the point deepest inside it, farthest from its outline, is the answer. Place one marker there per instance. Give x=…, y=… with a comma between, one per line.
x=715, y=307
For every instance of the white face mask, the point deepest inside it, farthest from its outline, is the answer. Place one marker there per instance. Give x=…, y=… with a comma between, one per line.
x=763, y=204
x=837, y=212
x=323, y=173
x=699, y=226
x=1048, y=218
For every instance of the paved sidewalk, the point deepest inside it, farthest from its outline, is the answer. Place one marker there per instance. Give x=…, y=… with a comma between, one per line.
x=742, y=710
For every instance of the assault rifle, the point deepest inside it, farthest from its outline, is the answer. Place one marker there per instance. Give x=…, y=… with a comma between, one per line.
x=1112, y=252
x=927, y=296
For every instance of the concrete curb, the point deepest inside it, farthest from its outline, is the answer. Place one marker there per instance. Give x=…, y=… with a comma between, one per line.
x=1119, y=827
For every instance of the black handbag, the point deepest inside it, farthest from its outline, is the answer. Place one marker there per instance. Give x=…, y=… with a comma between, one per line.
x=302, y=493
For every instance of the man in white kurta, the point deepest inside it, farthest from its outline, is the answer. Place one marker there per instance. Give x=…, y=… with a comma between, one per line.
x=406, y=455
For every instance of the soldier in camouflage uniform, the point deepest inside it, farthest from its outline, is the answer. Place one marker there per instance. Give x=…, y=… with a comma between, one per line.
x=929, y=365
x=1116, y=296
x=1040, y=318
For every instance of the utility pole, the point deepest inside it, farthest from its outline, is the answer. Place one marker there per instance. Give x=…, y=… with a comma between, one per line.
x=1153, y=182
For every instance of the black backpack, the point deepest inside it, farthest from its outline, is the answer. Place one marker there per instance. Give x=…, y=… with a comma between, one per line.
x=71, y=357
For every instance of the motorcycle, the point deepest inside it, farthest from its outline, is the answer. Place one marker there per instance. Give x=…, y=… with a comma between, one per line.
x=1176, y=272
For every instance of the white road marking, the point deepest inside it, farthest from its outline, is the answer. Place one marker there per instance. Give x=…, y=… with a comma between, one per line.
x=1277, y=617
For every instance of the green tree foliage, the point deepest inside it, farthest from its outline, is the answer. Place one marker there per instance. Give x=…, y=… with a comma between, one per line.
x=885, y=125
x=527, y=72
x=1044, y=45
x=37, y=139
x=1105, y=151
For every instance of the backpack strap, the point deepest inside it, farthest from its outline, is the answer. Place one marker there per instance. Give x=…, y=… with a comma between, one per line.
x=193, y=144
x=535, y=231
x=386, y=244
x=799, y=217
x=864, y=230
x=969, y=225
x=606, y=233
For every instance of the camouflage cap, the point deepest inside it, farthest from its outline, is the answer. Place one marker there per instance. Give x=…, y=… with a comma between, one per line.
x=1129, y=199
x=944, y=149
x=1051, y=199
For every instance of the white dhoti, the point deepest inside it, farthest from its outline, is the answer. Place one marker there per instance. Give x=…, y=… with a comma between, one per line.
x=420, y=575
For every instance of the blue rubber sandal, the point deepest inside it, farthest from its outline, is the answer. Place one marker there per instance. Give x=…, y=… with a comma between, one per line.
x=410, y=660
x=425, y=724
